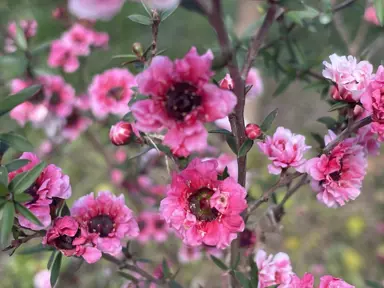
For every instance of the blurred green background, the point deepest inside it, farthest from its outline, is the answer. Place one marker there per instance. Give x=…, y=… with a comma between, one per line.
x=343, y=241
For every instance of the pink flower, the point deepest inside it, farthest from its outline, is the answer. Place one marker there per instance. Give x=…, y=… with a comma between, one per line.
x=182, y=99
x=95, y=9
x=162, y=4
x=121, y=133
x=100, y=39
x=203, y=209
x=256, y=81
x=42, y=279
x=370, y=16
x=79, y=39
x=50, y=186
x=329, y=281
x=306, y=282
x=188, y=254
x=71, y=239
x=120, y=155
x=63, y=55
x=29, y=28
x=45, y=148
x=75, y=125
x=107, y=219
x=273, y=270
x=227, y=82
x=351, y=77
x=337, y=177
x=152, y=226
x=285, y=150
x=229, y=161
x=366, y=135
x=117, y=176
x=253, y=131
x=247, y=240
x=33, y=110
x=110, y=92
x=60, y=96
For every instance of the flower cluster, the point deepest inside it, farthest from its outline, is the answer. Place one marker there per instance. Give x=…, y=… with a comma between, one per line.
x=29, y=28
x=152, y=226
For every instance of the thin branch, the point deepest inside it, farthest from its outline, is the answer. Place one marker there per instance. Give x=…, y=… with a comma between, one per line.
x=155, y=31
x=99, y=148
x=304, y=180
x=343, y=5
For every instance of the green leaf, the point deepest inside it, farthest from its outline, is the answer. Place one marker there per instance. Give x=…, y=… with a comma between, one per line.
x=236, y=263
x=318, y=139
x=141, y=19
x=16, y=164
x=22, y=198
x=25, y=180
x=124, y=56
x=3, y=148
x=137, y=97
x=16, y=141
x=174, y=284
x=10, y=102
x=55, y=270
x=27, y=214
x=128, y=276
x=284, y=84
x=35, y=249
x=231, y=140
x=224, y=175
x=65, y=210
x=51, y=258
x=219, y=263
x=242, y=279
x=338, y=105
x=254, y=273
x=2, y=202
x=167, y=13
x=267, y=122
x=4, y=176
x=328, y=121
x=166, y=271
x=20, y=39
x=3, y=190
x=128, y=117
x=247, y=145
x=299, y=16
x=147, y=9
x=221, y=131
x=7, y=221
x=373, y=284
x=379, y=7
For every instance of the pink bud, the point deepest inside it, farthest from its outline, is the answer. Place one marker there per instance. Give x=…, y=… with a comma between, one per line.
x=121, y=133
x=253, y=131
x=226, y=82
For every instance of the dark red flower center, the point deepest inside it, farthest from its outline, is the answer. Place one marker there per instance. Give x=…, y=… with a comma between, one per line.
x=116, y=93
x=32, y=190
x=142, y=224
x=181, y=100
x=101, y=224
x=37, y=98
x=159, y=224
x=64, y=242
x=73, y=118
x=55, y=99
x=335, y=176
x=246, y=238
x=199, y=205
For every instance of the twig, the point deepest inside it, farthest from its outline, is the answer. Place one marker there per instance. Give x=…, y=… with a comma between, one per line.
x=342, y=5
x=155, y=31
x=304, y=180
x=98, y=147
x=18, y=242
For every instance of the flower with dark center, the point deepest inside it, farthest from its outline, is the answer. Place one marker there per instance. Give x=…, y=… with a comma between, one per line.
x=37, y=97
x=101, y=224
x=32, y=190
x=247, y=238
x=65, y=242
x=181, y=100
x=159, y=224
x=55, y=99
x=73, y=118
x=200, y=206
x=336, y=176
x=142, y=224
x=116, y=93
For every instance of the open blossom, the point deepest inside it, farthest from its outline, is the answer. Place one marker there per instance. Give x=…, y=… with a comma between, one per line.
x=189, y=254
x=370, y=16
x=79, y=38
x=351, y=77
x=366, y=137
x=273, y=270
x=71, y=239
x=152, y=226
x=107, y=219
x=110, y=92
x=51, y=186
x=75, y=125
x=203, y=209
x=337, y=177
x=182, y=99
x=329, y=281
x=63, y=55
x=95, y=9
x=32, y=110
x=285, y=150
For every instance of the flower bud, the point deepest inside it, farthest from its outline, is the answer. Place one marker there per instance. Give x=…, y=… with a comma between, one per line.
x=137, y=48
x=121, y=133
x=253, y=131
x=226, y=82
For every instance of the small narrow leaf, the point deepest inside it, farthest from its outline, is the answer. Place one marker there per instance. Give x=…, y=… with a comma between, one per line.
x=254, y=273
x=231, y=140
x=141, y=19
x=35, y=249
x=328, y=121
x=65, y=210
x=247, y=145
x=16, y=141
x=379, y=7
x=236, y=263
x=128, y=117
x=128, y=277
x=221, y=131
x=219, y=263
x=136, y=98
x=55, y=270
x=7, y=221
x=51, y=258
x=267, y=122
x=147, y=9
x=4, y=176
x=24, y=180
x=299, y=16
x=168, y=13
x=16, y=164
x=284, y=84
x=224, y=175
x=124, y=56
x=20, y=39
x=22, y=198
x=3, y=190
x=166, y=271
x=10, y=102
x=338, y=105
x=373, y=284
x=242, y=279
x=27, y=214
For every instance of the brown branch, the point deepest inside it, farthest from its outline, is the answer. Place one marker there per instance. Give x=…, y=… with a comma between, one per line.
x=155, y=31
x=304, y=180
x=18, y=242
x=342, y=5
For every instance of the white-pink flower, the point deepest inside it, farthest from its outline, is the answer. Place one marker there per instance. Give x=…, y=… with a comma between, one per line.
x=42, y=279
x=95, y=9
x=350, y=76
x=285, y=150
x=256, y=81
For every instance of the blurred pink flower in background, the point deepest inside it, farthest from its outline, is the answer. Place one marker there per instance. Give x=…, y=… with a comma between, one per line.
x=182, y=99
x=254, y=78
x=110, y=92
x=42, y=279
x=366, y=137
x=117, y=177
x=337, y=177
x=273, y=270
x=62, y=55
x=350, y=76
x=329, y=281
x=107, y=218
x=45, y=148
x=152, y=227
x=306, y=282
x=79, y=38
x=370, y=16
x=203, y=209
x=189, y=254
x=285, y=150
x=120, y=155
x=29, y=28
x=95, y=9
